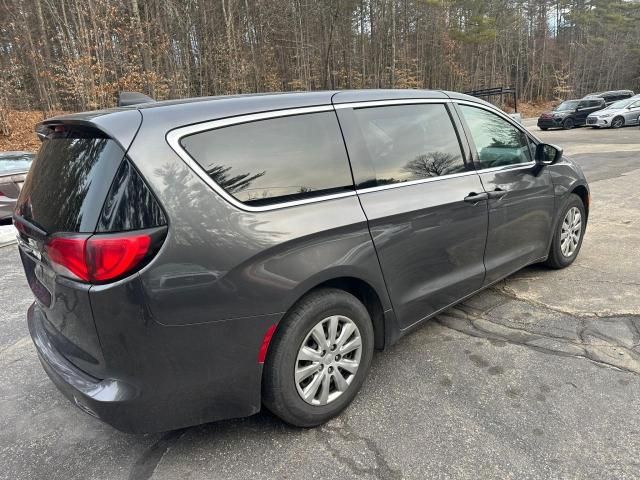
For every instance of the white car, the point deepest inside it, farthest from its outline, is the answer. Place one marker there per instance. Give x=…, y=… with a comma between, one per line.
x=616, y=115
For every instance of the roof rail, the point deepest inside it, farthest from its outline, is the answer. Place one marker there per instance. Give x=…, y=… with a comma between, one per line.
x=126, y=99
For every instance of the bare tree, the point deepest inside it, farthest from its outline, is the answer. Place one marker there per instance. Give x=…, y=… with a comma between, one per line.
x=74, y=55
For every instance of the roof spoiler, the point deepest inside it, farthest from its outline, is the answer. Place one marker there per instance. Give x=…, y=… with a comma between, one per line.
x=126, y=99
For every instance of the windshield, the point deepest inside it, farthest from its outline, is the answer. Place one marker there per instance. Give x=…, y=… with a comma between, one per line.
x=569, y=105
x=620, y=104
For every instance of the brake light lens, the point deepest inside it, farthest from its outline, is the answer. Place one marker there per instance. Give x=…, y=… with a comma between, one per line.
x=67, y=256
x=111, y=258
x=100, y=258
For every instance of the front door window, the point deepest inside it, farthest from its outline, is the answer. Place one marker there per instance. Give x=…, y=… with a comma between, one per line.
x=498, y=143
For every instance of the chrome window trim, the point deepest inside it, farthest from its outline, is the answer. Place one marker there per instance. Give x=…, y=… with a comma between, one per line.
x=410, y=183
x=384, y=103
x=174, y=136
x=515, y=166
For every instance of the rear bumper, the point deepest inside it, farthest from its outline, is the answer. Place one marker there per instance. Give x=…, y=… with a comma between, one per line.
x=168, y=400
x=103, y=399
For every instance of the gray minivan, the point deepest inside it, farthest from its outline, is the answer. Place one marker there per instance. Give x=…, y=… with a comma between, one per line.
x=193, y=260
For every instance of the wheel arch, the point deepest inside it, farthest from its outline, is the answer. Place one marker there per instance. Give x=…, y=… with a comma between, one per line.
x=578, y=188
x=621, y=117
x=363, y=290
x=584, y=195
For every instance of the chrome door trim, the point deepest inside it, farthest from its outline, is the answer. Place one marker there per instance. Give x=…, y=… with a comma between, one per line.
x=515, y=166
x=174, y=136
x=389, y=186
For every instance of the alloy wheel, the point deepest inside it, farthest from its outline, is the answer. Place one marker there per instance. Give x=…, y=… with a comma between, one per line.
x=328, y=360
x=571, y=232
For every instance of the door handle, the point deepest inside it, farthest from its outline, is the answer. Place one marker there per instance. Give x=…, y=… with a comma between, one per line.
x=474, y=197
x=497, y=194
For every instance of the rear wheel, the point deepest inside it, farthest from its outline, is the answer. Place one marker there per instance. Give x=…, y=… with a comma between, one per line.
x=569, y=233
x=319, y=358
x=543, y=128
x=568, y=124
x=617, y=122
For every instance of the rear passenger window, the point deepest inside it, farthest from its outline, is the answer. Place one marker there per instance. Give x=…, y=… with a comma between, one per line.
x=410, y=142
x=498, y=143
x=275, y=160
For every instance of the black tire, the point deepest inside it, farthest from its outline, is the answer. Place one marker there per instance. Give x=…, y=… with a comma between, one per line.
x=617, y=122
x=279, y=391
x=544, y=128
x=568, y=124
x=556, y=258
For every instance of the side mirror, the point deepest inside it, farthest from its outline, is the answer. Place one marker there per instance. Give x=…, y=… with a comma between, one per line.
x=547, y=154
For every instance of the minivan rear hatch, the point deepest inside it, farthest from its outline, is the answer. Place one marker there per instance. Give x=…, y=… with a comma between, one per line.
x=64, y=193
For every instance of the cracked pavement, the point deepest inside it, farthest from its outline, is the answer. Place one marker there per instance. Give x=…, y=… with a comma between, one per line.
x=537, y=377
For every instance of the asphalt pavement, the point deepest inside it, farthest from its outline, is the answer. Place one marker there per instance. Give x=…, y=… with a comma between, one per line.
x=537, y=377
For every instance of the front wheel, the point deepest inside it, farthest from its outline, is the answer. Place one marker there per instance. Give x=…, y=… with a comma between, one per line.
x=567, y=238
x=568, y=124
x=617, y=122
x=319, y=358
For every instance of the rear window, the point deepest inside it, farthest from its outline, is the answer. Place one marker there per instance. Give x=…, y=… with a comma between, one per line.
x=69, y=180
x=275, y=160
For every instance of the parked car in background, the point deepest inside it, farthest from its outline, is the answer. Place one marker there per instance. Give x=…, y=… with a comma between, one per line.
x=616, y=115
x=570, y=113
x=611, y=96
x=194, y=260
x=13, y=171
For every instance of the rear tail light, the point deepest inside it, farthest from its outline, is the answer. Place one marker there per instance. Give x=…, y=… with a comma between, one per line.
x=102, y=258
x=67, y=256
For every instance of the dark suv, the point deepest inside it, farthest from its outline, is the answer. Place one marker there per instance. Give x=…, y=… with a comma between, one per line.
x=570, y=113
x=611, y=96
x=193, y=260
